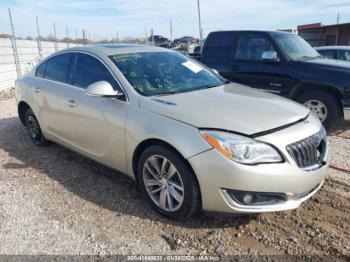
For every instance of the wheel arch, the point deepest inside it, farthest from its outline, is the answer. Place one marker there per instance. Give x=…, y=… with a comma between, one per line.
x=304, y=87
x=153, y=141
x=22, y=109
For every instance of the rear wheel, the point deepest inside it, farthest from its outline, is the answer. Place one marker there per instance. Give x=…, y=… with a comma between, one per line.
x=33, y=129
x=323, y=104
x=168, y=183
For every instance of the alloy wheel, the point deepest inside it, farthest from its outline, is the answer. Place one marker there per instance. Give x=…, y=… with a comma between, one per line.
x=318, y=107
x=33, y=127
x=163, y=183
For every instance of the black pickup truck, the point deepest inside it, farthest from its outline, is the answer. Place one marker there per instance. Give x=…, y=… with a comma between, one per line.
x=284, y=64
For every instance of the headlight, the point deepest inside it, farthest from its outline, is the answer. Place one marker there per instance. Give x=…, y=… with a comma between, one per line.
x=240, y=148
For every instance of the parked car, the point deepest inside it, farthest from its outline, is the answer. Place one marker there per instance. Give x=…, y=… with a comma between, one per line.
x=282, y=63
x=160, y=41
x=335, y=52
x=192, y=140
x=185, y=40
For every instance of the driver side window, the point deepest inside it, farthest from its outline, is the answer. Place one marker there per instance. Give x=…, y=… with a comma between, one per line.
x=89, y=70
x=252, y=46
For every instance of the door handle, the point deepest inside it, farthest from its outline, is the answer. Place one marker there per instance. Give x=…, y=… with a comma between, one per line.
x=72, y=103
x=37, y=90
x=276, y=84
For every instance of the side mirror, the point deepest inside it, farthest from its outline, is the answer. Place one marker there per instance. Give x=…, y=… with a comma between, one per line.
x=102, y=88
x=270, y=57
x=215, y=71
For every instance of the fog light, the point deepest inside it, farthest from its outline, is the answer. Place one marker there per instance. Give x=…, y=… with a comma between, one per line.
x=256, y=198
x=248, y=199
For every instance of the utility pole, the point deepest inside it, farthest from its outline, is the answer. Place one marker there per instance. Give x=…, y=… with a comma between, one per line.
x=55, y=35
x=67, y=36
x=146, y=37
x=338, y=18
x=39, y=36
x=76, y=37
x=84, y=37
x=14, y=46
x=199, y=23
x=152, y=36
x=171, y=29
x=117, y=34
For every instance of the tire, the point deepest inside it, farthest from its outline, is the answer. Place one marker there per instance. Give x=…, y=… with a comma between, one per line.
x=34, y=129
x=183, y=178
x=327, y=102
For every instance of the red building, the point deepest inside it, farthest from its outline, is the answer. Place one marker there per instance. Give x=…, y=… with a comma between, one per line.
x=321, y=35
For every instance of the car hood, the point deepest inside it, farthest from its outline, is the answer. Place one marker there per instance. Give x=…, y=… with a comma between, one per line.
x=329, y=64
x=230, y=107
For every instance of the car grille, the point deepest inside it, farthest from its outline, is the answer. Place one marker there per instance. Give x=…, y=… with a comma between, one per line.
x=311, y=152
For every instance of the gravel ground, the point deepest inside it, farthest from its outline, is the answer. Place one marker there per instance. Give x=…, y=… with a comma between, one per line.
x=53, y=201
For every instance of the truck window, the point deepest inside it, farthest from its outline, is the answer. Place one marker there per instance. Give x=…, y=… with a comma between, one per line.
x=219, y=47
x=330, y=54
x=252, y=46
x=344, y=55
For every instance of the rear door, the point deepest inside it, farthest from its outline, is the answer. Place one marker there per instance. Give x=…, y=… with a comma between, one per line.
x=248, y=68
x=51, y=96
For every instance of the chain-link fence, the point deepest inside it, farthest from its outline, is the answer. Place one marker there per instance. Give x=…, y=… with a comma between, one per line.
x=18, y=55
x=15, y=63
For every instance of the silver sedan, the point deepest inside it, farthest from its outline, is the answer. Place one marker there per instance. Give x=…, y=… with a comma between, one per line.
x=192, y=140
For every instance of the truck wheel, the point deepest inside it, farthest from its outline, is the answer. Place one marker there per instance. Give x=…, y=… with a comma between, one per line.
x=323, y=104
x=168, y=183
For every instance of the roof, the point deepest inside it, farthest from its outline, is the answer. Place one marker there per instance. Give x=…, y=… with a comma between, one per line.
x=319, y=26
x=252, y=31
x=309, y=26
x=112, y=49
x=336, y=47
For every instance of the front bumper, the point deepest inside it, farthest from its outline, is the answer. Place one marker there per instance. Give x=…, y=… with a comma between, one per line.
x=346, y=108
x=218, y=174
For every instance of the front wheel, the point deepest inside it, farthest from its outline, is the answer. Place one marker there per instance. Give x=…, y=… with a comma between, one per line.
x=323, y=104
x=168, y=183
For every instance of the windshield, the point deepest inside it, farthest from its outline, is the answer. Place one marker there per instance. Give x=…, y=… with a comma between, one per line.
x=161, y=73
x=294, y=47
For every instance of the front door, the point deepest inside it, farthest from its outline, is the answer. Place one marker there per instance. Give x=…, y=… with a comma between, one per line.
x=248, y=67
x=98, y=125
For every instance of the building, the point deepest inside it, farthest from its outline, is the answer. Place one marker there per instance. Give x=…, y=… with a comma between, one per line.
x=321, y=35
x=289, y=30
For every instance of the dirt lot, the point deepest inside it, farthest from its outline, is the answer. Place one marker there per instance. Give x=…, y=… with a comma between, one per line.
x=53, y=201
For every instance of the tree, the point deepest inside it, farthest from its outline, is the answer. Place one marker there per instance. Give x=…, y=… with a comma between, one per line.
x=5, y=36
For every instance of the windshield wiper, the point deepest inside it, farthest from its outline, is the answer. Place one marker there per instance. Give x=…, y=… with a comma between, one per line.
x=167, y=93
x=205, y=87
x=305, y=57
x=186, y=90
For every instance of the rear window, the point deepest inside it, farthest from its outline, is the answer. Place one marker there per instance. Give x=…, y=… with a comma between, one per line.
x=220, y=40
x=219, y=47
x=40, y=71
x=58, y=67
